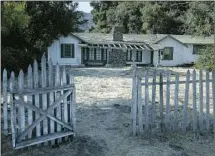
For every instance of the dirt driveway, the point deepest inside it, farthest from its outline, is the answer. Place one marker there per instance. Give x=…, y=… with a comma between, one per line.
x=103, y=123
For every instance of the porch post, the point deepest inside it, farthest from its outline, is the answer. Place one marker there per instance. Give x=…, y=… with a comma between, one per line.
x=133, y=55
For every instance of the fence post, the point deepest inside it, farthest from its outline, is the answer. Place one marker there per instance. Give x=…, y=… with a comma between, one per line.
x=213, y=90
x=207, y=101
x=140, y=108
x=154, y=97
x=37, y=104
x=65, y=105
x=194, y=103
x=146, y=103
x=57, y=95
x=29, y=98
x=134, y=105
x=200, y=101
x=21, y=108
x=186, y=101
x=12, y=110
x=161, y=102
x=73, y=105
x=167, y=121
x=44, y=96
x=5, y=116
x=175, y=125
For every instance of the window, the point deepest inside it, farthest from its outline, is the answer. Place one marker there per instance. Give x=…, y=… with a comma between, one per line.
x=98, y=55
x=168, y=53
x=129, y=55
x=104, y=51
x=138, y=56
x=197, y=49
x=67, y=51
x=91, y=54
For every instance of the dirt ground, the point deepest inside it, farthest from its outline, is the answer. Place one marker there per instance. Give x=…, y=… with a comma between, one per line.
x=103, y=123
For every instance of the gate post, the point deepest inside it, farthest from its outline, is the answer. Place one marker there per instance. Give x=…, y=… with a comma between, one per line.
x=161, y=102
x=134, y=103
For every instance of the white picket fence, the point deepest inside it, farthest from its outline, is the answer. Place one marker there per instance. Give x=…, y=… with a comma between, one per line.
x=40, y=107
x=162, y=101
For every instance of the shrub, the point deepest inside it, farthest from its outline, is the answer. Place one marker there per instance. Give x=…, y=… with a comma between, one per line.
x=206, y=59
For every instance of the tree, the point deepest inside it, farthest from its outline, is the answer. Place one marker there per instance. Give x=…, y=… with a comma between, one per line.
x=199, y=18
x=28, y=28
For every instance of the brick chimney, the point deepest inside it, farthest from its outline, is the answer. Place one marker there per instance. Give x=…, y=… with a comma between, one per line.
x=118, y=33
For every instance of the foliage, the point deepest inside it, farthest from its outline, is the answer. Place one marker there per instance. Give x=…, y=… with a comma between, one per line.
x=199, y=18
x=206, y=59
x=170, y=17
x=28, y=28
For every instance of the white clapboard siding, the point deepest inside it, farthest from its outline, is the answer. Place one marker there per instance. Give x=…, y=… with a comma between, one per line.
x=5, y=115
x=29, y=98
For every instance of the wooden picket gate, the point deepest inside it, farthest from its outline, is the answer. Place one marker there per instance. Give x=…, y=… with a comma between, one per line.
x=40, y=112
x=156, y=107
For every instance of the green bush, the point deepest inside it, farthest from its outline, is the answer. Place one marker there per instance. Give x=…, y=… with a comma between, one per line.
x=206, y=59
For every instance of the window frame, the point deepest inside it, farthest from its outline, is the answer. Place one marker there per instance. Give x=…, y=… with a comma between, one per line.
x=199, y=49
x=72, y=50
x=171, y=54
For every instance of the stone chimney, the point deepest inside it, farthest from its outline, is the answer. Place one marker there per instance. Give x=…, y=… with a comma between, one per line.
x=118, y=33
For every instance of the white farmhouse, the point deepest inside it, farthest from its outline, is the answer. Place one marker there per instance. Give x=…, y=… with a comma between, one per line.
x=118, y=49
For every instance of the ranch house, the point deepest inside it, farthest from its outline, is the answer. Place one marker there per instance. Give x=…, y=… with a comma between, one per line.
x=118, y=49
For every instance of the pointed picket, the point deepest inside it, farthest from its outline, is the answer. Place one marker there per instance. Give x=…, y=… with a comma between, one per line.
x=73, y=105
x=153, y=97
x=37, y=104
x=161, y=102
x=140, y=108
x=175, y=125
x=185, y=106
x=21, y=108
x=167, y=120
x=207, y=101
x=51, y=96
x=57, y=95
x=5, y=115
x=194, y=102
x=213, y=95
x=146, y=103
x=12, y=110
x=200, y=100
x=29, y=98
x=44, y=96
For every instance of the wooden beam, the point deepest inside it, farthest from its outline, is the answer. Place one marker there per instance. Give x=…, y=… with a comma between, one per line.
x=42, y=139
x=142, y=47
x=130, y=46
x=38, y=110
x=125, y=46
x=44, y=90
